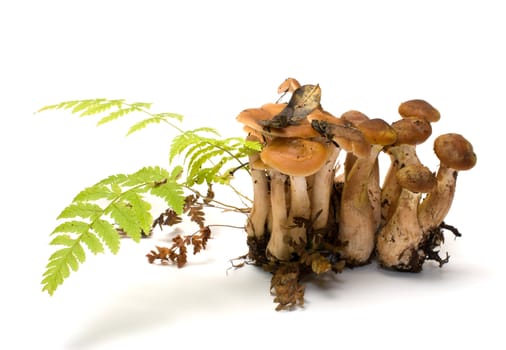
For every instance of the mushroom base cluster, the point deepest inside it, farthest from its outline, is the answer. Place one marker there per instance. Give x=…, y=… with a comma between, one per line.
x=312, y=215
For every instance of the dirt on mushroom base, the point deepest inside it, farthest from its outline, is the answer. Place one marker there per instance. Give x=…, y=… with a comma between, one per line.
x=287, y=285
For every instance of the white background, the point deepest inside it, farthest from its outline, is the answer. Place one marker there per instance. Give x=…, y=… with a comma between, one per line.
x=209, y=60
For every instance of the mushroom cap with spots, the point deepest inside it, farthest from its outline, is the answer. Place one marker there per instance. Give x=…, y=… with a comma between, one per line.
x=412, y=131
x=419, y=109
x=454, y=151
x=416, y=178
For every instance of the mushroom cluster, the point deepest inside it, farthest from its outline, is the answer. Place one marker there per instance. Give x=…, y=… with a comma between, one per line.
x=304, y=201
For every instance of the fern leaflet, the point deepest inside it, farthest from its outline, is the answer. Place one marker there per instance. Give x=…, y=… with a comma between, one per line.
x=206, y=157
x=115, y=109
x=92, y=223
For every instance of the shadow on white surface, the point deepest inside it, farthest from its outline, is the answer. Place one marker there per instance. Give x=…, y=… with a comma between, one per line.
x=163, y=304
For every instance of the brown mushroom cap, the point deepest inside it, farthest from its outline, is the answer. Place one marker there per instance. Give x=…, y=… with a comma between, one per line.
x=419, y=109
x=377, y=131
x=412, y=131
x=251, y=117
x=295, y=156
x=354, y=117
x=258, y=164
x=454, y=151
x=320, y=114
x=416, y=178
x=289, y=85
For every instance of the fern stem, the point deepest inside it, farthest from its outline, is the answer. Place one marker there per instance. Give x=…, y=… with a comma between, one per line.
x=242, y=197
x=223, y=205
x=219, y=225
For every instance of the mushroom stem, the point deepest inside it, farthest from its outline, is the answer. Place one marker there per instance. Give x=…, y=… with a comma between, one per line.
x=375, y=194
x=400, y=155
x=357, y=226
x=277, y=247
x=436, y=205
x=323, y=184
x=398, y=241
x=258, y=217
x=300, y=207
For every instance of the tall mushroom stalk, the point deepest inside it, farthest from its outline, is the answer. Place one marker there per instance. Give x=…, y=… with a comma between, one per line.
x=258, y=217
x=399, y=241
x=323, y=183
x=455, y=154
x=358, y=225
x=277, y=246
x=356, y=118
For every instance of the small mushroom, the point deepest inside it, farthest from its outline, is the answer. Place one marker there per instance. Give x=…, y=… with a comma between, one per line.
x=399, y=242
x=455, y=154
x=410, y=133
x=358, y=225
x=289, y=85
x=296, y=158
x=412, y=130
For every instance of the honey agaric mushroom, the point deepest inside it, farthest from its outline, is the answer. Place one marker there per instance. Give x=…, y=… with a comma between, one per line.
x=419, y=109
x=410, y=132
x=297, y=158
x=358, y=226
x=258, y=217
x=399, y=242
x=355, y=118
x=289, y=85
x=455, y=154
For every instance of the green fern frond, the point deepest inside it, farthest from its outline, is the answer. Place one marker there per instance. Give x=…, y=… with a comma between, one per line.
x=115, y=109
x=206, y=157
x=116, y=115
x=96, y=212
x=155, y=119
